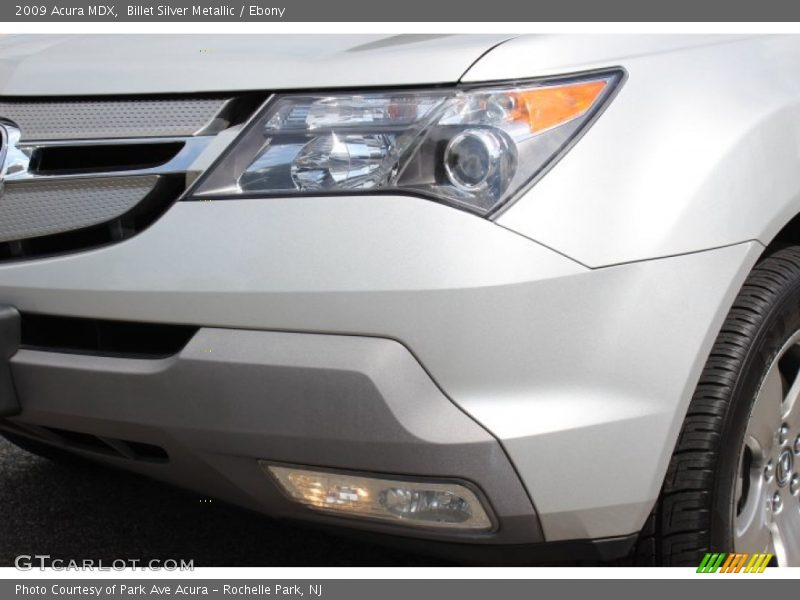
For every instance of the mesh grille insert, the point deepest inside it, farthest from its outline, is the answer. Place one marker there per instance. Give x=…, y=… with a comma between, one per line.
x=92, y=119
x=33, y=209
x=166, y=190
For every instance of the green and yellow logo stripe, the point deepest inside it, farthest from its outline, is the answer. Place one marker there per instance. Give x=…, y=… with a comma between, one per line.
x=725, y=562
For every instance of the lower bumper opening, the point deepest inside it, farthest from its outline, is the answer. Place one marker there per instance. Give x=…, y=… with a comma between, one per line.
x=76, y=440
x=100, y=337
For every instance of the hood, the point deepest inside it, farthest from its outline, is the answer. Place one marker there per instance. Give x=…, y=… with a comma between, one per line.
x=70, y=65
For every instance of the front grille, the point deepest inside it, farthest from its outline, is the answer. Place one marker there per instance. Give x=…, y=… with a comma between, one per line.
x=100, y=158
x=80, y=173
x=42, y=207
x=150, y=208
x=128, y=118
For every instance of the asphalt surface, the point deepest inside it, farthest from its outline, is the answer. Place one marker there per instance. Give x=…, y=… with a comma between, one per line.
x=87, y=511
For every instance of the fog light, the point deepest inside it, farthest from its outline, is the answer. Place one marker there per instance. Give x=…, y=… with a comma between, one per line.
x=418, y=503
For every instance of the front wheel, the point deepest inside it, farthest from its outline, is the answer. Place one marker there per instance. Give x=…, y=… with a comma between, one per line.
x=733, y=482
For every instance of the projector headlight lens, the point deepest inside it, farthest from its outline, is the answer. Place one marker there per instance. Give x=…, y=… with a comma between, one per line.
x=414, y=503
x=479, y=158
x=475, y=148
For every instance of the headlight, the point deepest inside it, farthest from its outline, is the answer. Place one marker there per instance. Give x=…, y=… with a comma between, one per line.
x=475, y=148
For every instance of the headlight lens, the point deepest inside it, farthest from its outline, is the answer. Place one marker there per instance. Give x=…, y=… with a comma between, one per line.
x=472, y=148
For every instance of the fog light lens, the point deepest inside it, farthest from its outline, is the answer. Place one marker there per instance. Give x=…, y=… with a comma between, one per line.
x=435, y=505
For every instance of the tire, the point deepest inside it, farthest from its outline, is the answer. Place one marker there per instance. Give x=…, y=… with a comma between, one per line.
x=719, y=470
x=51, y=453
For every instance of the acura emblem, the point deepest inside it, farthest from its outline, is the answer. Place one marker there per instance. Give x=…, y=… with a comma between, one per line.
x=13, y=161
x=3, y=152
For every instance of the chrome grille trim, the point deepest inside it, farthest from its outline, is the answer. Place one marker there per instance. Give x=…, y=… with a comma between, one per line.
x=34, y=209
x=114, y=118
x=180, y=163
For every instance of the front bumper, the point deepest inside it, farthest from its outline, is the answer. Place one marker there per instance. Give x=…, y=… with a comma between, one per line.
x=436, y=344
x=231, y=397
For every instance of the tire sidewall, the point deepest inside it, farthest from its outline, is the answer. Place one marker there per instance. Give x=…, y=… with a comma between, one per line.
x=777, y=326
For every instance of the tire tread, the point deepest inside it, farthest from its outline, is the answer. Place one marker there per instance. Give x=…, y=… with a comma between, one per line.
x=677, y=533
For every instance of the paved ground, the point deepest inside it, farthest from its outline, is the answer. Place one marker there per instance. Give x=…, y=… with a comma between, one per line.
x=83, y=511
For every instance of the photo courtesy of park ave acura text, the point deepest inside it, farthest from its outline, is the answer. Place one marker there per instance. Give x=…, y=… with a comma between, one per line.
x=399, y=299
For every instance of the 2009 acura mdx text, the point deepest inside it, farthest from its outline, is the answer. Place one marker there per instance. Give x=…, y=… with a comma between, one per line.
x=502, y=296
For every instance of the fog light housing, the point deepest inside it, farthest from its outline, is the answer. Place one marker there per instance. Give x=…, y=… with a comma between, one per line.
x=415, y=503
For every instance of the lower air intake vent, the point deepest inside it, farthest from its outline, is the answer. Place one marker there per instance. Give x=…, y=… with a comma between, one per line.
x=86, y=442
x=103, y=338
